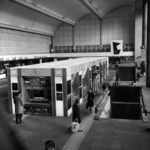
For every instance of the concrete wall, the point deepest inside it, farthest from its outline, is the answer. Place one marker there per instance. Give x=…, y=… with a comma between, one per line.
x=119, y=24
x=64, y=35
x=17, y=42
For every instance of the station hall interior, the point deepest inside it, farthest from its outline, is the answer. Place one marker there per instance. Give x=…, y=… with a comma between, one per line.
x=54, y=52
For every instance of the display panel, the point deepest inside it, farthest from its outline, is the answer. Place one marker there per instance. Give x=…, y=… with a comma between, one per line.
x=80, y=92
x=80, y=80
x=69, y=102
x=37, y=81
x=38, y=93
x=14, y=86
x=68, y=87
x=59, y=96
x=59, y=87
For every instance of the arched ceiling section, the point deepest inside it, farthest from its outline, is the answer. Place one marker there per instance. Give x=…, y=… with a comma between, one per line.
x=17, y=13
x=19, y=16
x=67, y=9
x=105, y=6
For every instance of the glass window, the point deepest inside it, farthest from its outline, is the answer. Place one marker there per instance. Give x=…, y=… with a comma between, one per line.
x=59, y=87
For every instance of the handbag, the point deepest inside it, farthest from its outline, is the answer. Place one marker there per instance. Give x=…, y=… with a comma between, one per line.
x=75, y=126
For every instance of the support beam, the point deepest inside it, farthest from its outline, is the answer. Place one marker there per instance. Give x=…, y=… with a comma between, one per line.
x=24, y=29
x=42, y=11
x=91, y=8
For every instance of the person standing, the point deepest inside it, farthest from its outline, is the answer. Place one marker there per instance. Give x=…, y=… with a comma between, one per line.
x=76, y=114
x=19, y=106
x=90, y=99
x=49, y=145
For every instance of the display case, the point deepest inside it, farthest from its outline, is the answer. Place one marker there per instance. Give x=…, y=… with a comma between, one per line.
x=38, y=95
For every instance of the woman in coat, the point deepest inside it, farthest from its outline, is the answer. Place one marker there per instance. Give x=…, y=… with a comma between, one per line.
x=76, y=114
x=19, y=107
x=90, y=99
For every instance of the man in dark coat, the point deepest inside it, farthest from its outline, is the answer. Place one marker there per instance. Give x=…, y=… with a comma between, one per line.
x=19, y=106
x=76, y=112
x=90, y=99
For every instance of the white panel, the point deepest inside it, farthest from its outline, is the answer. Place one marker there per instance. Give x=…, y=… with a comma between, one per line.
x=2, y=76
x=81, y=100
x=68, y=74
x=59, y=104
x=59, y=108
x=107, y=110
x=58, y=79
x=69, y=111
x=14, y=80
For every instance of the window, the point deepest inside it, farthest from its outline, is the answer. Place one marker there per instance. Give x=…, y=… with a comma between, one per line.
x=59, y=87
x=59, y=90
x=14, y=86
x=59, y=96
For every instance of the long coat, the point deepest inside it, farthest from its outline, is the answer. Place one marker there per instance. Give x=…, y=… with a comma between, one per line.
x=90, y=99
x=76, y=113
x=18, y=105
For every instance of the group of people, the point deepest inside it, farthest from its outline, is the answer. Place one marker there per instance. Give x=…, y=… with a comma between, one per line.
x=76, y=118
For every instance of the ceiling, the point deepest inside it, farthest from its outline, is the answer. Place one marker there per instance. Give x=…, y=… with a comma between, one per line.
x=46, y=16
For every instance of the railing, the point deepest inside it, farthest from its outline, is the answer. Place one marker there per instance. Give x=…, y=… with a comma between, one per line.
x=101, y=104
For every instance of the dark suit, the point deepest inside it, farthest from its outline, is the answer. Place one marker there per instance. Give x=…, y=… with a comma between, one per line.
x=90, y=99
x=76, y=113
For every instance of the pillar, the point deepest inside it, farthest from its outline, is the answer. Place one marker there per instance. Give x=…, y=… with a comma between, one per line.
x=40, y=61
x=138, y=34
x=148, y=46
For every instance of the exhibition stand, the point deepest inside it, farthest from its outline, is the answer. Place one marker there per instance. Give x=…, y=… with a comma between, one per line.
x=51, y=88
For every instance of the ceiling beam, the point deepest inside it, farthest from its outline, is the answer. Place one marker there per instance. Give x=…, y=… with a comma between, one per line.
x=42, y=11
x=91, y=8
x=24, y=29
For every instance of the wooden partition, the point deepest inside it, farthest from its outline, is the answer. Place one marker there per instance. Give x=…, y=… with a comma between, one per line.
x=125, y=102
x=126, y=72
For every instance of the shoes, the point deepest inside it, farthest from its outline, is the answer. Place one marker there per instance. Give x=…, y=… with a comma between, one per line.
x=17, y=122
x=21, y=122
x=80, y=130
x=69, y=130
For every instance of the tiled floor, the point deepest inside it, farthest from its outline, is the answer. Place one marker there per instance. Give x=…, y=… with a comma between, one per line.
x=104, y=134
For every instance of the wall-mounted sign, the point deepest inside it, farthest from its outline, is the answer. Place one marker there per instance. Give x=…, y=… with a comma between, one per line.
x=117, y=47
x=58, y=72
x=28, y=72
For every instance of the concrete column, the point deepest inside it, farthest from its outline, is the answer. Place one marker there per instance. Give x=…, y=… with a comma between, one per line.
x=40, y=61
x=73, y=39
x=138, y=35
x=148, y=46
x=55, y=59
